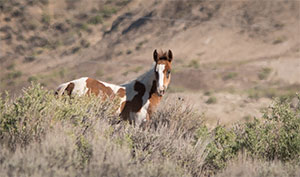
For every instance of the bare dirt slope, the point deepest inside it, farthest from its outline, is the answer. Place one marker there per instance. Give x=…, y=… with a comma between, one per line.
x=231, y=57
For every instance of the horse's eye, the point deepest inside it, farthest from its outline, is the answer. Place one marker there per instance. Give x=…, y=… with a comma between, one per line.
x=168, y=73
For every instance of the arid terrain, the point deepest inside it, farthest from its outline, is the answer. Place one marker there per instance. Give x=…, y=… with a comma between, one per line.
x=230, y=57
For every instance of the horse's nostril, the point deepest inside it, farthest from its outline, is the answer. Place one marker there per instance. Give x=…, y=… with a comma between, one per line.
x=161, y=92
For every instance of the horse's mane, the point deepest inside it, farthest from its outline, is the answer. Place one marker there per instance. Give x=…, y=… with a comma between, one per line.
x=142, y=77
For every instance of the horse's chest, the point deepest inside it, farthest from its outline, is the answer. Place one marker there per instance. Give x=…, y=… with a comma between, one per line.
x=141, y=115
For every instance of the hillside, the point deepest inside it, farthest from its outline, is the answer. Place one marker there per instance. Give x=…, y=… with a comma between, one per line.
x=233, y=55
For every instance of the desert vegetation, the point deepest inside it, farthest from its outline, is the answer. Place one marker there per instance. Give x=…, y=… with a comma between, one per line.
x=44, y=135
x=231, y=108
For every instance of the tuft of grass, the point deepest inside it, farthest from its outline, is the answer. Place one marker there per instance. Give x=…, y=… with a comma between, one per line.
x=32, y=79
x=107, y=11
x=175, y=89
x=264, y=73
x=257, y=92
x=211, y=100
x=75, y=49
x=207, y=93
x=271, y=92
x=96, y=20
x=230, y=75
x=14, y=75
x=84, y=43
x=140, y=44
x=137, y=69
x=99, y=73
x=83, y=26
x=194, y=64
x=62, y=72
x=46, y=19
x=279, y=40
x=29, y=59
x=11, y=66
x=125, y=73
x=128, y=52
x=109, y=78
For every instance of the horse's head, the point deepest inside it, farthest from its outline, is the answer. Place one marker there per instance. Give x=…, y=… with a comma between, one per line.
x=163, y=65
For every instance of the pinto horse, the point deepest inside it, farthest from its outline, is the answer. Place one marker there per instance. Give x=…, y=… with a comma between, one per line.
x=138, y=98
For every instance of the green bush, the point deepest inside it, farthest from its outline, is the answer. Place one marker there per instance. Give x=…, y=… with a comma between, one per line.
x=221, y=149
x=276, y=136
x=28, y=117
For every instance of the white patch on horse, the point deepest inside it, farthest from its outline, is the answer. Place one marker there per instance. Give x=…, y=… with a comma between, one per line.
x=160, y=70
x=80, y=87
x=61, y=88
x=114, y=87
x=141, y=116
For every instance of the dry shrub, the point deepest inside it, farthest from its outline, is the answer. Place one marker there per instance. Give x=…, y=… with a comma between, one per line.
x=169, y=137
x=44, y=135
x=247, y=167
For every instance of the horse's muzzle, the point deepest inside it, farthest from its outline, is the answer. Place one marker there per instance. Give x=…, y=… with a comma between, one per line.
x=161, y=92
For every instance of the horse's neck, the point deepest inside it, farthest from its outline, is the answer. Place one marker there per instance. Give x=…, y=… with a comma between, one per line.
x=150, y=95
x=146, y=79
x=149, y=81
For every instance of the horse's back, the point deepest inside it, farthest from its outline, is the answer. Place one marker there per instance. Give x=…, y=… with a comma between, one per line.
x=74, y=87
x=86, y=85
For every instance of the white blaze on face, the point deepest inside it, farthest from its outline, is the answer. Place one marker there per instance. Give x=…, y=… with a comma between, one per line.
x=160, y=70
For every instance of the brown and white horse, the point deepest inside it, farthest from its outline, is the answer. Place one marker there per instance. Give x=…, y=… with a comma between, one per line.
x=138, y=98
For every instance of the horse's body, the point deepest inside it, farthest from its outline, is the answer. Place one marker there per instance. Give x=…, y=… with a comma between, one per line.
x=138, y=98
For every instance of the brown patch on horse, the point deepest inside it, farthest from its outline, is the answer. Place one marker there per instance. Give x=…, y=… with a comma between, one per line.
x=95, y=87
x=136, y=103
x=166, y=63
x=121, y=92
x=123, y=114
x=154, y=99
x=70, y=88
x=167, y=56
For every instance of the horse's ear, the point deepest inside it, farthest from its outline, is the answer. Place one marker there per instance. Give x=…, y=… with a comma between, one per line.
x=170, y=55
x=155, y=55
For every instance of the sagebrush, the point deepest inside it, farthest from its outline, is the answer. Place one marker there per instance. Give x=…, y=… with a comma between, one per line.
x=41, y=134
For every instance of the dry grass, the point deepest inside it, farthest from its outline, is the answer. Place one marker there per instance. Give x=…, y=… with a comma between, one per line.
x=247, y=167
